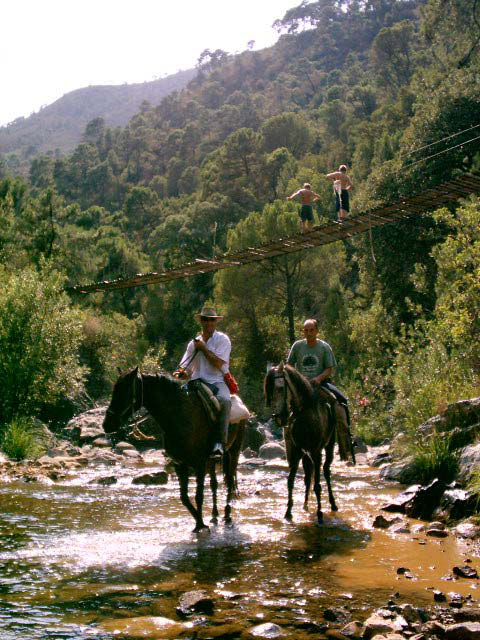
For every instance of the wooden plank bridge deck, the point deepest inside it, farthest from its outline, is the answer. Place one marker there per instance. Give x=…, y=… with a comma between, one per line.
x=419, y=204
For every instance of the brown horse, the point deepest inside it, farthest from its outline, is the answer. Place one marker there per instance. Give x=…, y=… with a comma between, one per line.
x=187, y=434
x=309, y=427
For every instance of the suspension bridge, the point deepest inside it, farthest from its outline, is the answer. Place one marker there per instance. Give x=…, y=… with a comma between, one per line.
x=407, y=208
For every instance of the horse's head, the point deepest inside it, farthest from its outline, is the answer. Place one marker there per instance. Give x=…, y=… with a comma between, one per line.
x=126, y=399
x=275, y=391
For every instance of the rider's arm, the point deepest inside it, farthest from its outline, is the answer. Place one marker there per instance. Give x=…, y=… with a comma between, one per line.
x=326, y=373
x=220, y=359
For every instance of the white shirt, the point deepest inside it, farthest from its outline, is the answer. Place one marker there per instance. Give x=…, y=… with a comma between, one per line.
x=200, y=367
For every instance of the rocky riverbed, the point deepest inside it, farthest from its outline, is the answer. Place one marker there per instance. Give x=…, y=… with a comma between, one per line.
x=96, y=543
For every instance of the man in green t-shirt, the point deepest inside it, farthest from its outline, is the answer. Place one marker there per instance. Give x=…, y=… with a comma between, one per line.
x=315, y=360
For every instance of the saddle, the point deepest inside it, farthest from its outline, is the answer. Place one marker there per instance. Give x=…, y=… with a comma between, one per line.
x=211, y=404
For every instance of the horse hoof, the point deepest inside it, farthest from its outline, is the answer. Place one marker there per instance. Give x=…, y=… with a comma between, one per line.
x=288, y=517
x=319, y=519
x=214, y=521
x=305, y=507
x=202, y=529
x=228, y=522
x=334, y=507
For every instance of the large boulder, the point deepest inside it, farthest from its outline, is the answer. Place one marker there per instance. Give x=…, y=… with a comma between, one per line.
x=271, y=450
x=403, y=471
x=87, y=426
x=458, y=415
x=425, y=500
x=469, y=461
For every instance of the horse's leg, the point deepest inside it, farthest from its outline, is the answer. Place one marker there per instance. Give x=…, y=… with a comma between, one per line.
x=307, y=478
x=182, y=474
x=200, y=477
x=294, y=456
x=326, y=472
x=230, y=483
x=317, y=462
x=213, y=487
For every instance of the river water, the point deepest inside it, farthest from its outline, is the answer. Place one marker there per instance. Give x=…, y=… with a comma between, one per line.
x=81, y=560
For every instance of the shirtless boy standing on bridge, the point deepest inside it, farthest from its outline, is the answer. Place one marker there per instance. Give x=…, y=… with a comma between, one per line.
x=307, y=198
x=341, y=186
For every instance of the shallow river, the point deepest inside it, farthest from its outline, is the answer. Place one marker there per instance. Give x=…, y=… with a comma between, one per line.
x=77, y=560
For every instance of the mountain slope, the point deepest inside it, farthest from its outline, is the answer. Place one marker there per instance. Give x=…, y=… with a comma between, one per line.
x=61, y=124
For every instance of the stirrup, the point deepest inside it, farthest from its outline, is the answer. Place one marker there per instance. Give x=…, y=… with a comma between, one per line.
x=217, y=452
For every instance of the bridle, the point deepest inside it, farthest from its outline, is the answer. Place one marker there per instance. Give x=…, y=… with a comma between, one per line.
x=131, y=408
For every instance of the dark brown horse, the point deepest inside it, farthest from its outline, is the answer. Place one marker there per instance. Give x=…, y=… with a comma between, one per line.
x=309, y=427
x=187, y=434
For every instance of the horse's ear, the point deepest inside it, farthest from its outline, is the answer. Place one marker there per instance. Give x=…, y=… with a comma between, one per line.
x=281, y=366
x=135, y=371
x=119, y=371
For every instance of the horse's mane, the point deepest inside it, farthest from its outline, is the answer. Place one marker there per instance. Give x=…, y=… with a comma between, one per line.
x=301, y=384
x=166, y=382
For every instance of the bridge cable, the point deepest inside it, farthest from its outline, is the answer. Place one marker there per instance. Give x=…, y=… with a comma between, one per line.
x=453, y=135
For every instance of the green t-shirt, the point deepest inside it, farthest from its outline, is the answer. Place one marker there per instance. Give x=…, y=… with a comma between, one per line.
x=311, y=361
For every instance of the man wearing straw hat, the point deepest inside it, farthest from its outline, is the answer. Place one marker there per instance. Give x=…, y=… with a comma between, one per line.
x=207, y=357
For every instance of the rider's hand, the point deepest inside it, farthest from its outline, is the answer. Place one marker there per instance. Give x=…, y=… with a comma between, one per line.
x=180, y=373
x=199, y=344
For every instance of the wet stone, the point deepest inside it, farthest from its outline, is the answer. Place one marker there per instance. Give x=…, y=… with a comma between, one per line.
x=335, y=634
x=465, y=572
x=381, y=522
x=337, y=614
x=354, y=630
x=467, y=615
x=106, y=481
x=438, y=596
x=437, y=533
x=463, y=631
x=267, y=630
x=195, y=602
x=158, y=478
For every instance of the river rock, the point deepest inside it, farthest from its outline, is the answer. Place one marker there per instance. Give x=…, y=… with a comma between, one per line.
x=143, y=627
x=461, y=415
x=467, y=530
x=266, y=630
x=398, y=504
x=384, y=621
x=425, y=500
x=271, y=450
x=159, y=477
x=121, y=447
x=463, y=631
x=106, y=481
x=197, y=601
x=467, y=615
x=469, y=461
x=354, y=630
x=87, y=426
x=359, y=445
x=403, y=471
x=381, y=522
x=256, y=435
x=379, y=459
x=337, y=614
x=465, y=572
x=457, y=504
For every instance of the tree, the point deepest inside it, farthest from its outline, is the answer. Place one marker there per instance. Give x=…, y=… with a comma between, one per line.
x=288, y=130
x=39, y=337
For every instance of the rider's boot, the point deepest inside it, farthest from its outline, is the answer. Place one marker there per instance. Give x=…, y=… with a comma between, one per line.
x=221, y=432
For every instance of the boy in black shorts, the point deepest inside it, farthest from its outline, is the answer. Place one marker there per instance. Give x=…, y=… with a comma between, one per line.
x=307, y=198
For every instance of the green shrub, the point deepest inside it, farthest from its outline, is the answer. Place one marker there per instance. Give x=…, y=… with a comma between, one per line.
x=434, y=458
x=39, y=338
x=20, y=440
x=474, y=487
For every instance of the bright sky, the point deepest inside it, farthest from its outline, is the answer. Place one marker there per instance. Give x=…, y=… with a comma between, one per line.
x=51, y=47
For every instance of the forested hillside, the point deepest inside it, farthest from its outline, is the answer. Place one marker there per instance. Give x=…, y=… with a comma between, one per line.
x=378, y=84
x=58, y=127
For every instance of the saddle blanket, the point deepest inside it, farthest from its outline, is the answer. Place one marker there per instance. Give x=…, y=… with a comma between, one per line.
x=239, y=411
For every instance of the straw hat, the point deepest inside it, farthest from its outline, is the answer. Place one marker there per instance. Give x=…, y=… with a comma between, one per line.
x=208, y=312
